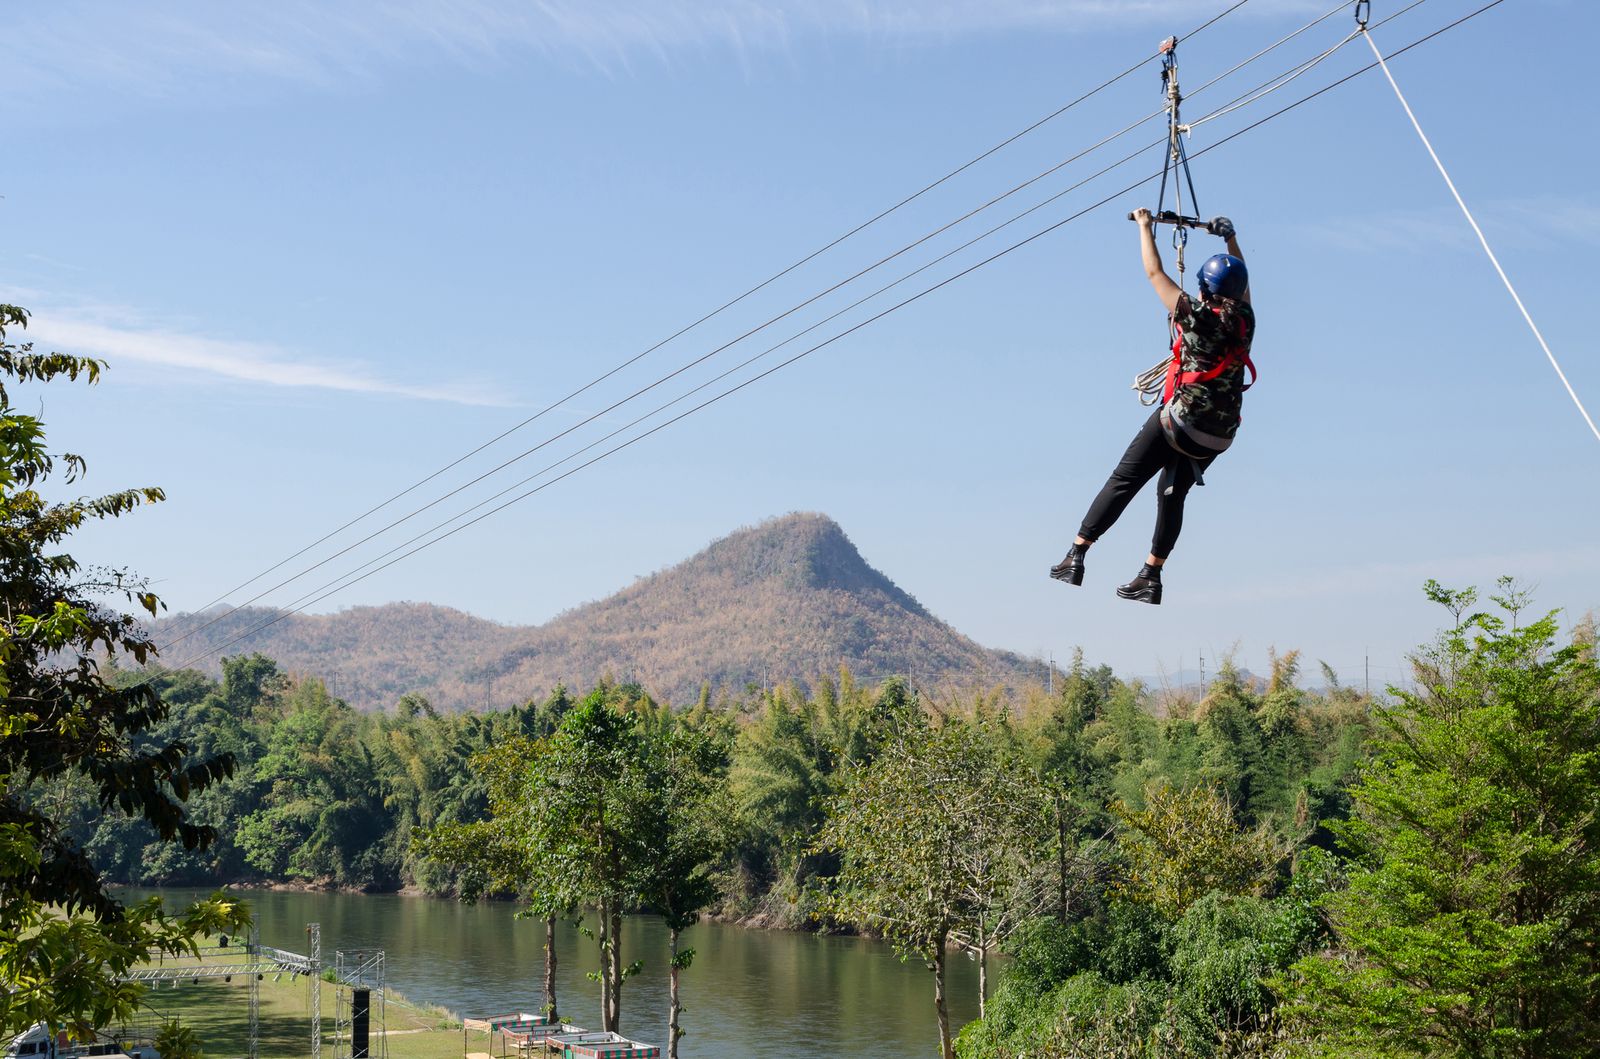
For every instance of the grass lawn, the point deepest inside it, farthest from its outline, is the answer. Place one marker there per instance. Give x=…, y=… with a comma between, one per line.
x=220, y=1014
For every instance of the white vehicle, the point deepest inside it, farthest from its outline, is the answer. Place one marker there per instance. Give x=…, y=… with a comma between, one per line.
x=129, y=1042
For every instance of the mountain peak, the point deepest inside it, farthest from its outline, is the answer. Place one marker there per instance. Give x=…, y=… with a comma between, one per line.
x=789, y=598
x=800, y=551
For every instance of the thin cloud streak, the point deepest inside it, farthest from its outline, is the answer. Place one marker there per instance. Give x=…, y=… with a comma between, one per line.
x=1521, y=223
x=163, y=49
x=199, y=358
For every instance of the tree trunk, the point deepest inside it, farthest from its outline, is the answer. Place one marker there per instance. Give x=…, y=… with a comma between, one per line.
x=946, y=1046
x=606, y=945
x=673, y=1032
x=1061, y=861
x=983, y=978
x=614, y=928
x=550, y=969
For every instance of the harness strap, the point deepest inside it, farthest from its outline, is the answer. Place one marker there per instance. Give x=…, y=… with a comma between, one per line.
x=1172, y=431
x=1169, y=474
x=1168, y=483
x=1239, y=353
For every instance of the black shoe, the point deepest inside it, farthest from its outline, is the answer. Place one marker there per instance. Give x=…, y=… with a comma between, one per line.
x=1070, y=569
x=1146, y=588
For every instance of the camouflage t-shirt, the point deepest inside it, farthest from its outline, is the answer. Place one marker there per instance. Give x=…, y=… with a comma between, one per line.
x=1213, y=406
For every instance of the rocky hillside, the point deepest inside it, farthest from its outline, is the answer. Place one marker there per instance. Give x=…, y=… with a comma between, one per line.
x=789, y=599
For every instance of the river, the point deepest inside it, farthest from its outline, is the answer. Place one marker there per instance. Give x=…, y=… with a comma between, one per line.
x=752, y=994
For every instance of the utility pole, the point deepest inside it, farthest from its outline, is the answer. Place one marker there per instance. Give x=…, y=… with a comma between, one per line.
x=1050, y=676
x=911, y=664
x=1366, y=666
x=1202, y=674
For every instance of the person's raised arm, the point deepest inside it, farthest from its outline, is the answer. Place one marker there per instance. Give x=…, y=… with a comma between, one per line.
x=1230, y=235
x=1166, y=290
x=1233, y=248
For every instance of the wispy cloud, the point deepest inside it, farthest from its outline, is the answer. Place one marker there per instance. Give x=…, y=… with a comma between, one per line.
x=1523, y=223
x=166, y=47
x=203, y=359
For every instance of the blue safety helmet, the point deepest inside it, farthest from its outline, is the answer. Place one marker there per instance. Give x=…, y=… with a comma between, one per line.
x=1224, y=276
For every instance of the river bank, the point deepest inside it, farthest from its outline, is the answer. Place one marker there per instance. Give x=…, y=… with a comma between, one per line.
x=219, y=1013
x=750, y=994
x=761, y=918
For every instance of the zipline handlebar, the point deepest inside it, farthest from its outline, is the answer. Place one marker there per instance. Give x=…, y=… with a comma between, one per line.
x=1169, y=217
x=1219, y=226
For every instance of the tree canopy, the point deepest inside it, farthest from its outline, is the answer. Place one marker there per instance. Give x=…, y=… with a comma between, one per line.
x=65, y=941
x=1471, y=922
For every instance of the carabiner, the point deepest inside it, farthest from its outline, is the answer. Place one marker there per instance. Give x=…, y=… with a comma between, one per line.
x=1363, y=12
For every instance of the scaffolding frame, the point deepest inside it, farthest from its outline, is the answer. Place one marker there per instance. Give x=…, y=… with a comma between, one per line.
x=314, y=933
x=361, y=969
x=254, y=961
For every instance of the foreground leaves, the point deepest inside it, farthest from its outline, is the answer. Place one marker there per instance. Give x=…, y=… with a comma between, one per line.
x=65, y=941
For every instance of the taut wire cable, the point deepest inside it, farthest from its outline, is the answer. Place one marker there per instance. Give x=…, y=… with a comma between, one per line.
x=351, y=580
x=1487, y=249
x=1279, y=79
x=721, y=308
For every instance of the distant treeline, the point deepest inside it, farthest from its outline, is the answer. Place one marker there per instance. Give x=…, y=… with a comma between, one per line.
x=325, y=794
x=1259, y=871
x=1075, y=829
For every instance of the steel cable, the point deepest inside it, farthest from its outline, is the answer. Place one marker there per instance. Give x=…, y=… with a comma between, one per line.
x=348, y=580
x=704, y=357
x=722, y=308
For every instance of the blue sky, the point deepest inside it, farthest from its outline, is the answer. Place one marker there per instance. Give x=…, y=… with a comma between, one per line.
x=329, y=248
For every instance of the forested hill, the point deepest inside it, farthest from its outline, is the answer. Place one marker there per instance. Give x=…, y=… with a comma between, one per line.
x=789, y=599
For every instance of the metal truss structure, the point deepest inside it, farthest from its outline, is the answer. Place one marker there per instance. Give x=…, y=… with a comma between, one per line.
x=251, y=961
x=361, y=969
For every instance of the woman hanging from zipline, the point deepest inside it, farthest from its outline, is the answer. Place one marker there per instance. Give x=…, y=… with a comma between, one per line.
x=1199, y=409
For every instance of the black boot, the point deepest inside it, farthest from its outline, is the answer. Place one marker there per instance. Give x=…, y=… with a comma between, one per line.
x=1146, y=588
x=1070, y=569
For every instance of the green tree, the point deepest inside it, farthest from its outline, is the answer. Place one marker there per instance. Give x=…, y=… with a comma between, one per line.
x=1471, y=924
x=1126, y=981
x=65, y=941
x=590, y=801
x=324, y=787
x=496, y=855
x=692, y=836
x=1285, y=747
x=1004, y=879
x=1229, y=741
x=904, y=827
x=787, y=764
x=1185, y=844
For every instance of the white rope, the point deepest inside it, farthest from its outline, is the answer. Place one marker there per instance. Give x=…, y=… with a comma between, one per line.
x=1342, y=5
x=1152, y=381
x=1486, y=248
x=1272, y=86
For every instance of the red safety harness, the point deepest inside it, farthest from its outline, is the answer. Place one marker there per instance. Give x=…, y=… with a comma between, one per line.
x=1237, y=353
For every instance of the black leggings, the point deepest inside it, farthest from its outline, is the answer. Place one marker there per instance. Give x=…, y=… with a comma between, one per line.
x=1149, y=455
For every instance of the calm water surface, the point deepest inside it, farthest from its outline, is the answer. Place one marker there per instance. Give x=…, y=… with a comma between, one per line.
x=750, y=993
